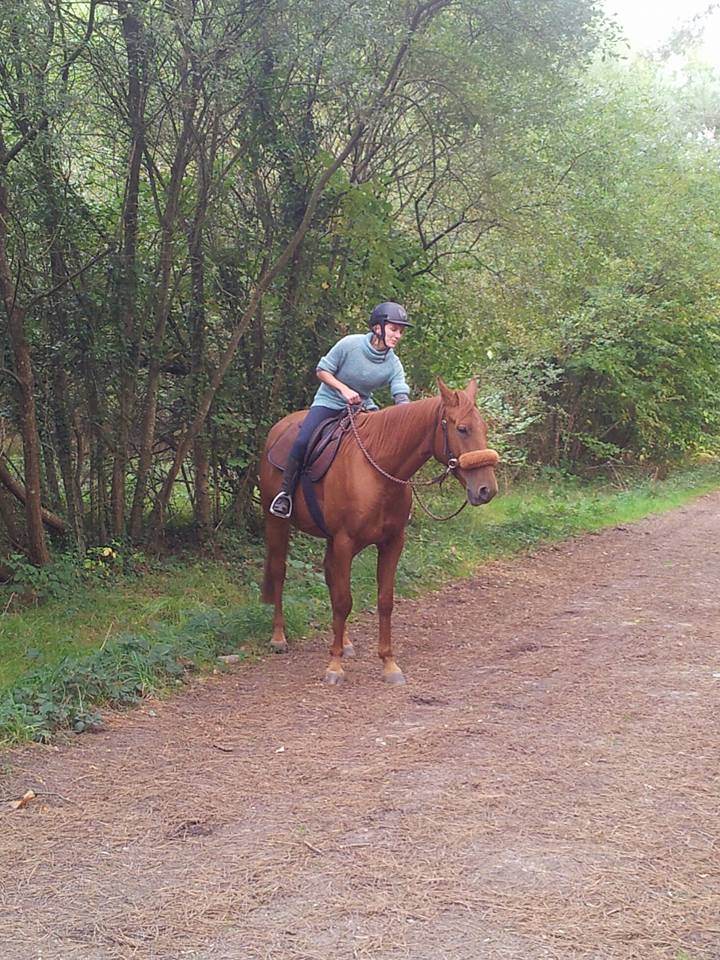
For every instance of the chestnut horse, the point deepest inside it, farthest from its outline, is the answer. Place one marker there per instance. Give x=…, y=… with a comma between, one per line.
x=362, y=506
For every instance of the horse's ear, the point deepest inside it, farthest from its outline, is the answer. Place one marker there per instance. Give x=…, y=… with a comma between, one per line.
x=448, y=395
x=471, y=389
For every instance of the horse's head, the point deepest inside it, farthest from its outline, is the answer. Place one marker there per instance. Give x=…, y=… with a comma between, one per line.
x=462, y=437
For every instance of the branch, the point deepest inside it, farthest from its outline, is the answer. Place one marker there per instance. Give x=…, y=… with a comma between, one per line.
x=68, y=279
x=10, y=373
x=18, y=491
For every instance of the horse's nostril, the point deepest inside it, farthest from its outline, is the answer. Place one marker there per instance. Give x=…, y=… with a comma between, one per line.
x=479, y=495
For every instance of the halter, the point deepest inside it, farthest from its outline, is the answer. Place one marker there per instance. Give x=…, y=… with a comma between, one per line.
x=466, y=461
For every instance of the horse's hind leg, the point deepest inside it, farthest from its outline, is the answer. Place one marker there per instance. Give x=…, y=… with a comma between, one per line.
x=277, y=537
x=388, y=556
x=338, y=561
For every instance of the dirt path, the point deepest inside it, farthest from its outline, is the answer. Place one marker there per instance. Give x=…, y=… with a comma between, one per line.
x=545, y=786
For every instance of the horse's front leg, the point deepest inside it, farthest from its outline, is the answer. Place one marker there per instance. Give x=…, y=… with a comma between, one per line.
x=388, y=556
x=277, y=536
x=338, y=562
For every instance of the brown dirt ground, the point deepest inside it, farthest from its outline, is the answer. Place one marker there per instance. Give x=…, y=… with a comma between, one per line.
x=545, y=786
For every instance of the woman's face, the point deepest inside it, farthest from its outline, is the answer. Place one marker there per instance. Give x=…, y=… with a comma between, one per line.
x=393, y=333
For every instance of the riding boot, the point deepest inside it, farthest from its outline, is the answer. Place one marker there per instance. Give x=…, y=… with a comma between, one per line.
x=283, y=503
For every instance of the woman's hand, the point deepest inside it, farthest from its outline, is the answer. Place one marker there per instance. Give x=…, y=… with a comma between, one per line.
x=350, y=396
x=347, y=393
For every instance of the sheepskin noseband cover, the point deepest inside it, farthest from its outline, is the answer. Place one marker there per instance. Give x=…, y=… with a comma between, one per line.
x=478, y=458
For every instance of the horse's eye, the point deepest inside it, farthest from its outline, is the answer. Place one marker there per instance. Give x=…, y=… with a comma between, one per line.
x=463, y=429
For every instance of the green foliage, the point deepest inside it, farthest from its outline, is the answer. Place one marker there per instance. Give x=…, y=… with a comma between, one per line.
x=53, y=580
x=594, y=316
x=68, y=570
x=69, y=695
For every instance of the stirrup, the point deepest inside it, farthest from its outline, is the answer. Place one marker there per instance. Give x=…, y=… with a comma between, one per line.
x=282, y=505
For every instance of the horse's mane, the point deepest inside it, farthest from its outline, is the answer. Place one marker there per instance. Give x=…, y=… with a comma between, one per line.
x=381, y=429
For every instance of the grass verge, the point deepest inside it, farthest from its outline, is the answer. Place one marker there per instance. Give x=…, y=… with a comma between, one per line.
x=113, y=644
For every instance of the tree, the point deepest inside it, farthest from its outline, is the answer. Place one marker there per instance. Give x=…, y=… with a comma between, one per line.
x=30, y=101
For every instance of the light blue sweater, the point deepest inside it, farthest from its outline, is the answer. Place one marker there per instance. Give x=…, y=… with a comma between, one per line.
x=362, y=368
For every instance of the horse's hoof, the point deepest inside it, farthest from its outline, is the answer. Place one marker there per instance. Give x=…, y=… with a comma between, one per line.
x=348, y=651
x=333, y=678
x=279, y=646
x=394, y=678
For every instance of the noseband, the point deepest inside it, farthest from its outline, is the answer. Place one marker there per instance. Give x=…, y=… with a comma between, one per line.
x=472, y=460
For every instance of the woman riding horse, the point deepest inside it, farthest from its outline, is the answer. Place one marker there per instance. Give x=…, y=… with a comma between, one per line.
x=365, y=498
x=348, y=374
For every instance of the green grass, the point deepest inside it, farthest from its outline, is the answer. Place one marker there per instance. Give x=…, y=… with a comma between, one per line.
x=92, y=614
x=115, y=642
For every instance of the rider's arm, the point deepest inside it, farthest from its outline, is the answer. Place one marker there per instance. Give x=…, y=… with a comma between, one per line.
x=347, y=393
x=398, y=384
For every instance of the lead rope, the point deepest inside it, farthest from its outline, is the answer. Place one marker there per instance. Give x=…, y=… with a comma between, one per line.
x=434, y=516
x=413, y=484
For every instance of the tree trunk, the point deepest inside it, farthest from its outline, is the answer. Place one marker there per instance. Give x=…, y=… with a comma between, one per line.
x=127, y=281
x=51, y=493
x=162, y=308
x=97, y=448
x=196, y=255
x=7, y=515
x=25, y=379
x=47, y=177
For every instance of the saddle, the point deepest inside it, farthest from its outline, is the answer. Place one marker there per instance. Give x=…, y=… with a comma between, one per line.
x=321, y=449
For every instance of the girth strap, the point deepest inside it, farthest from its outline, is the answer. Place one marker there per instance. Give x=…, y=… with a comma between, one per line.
x=313, y=506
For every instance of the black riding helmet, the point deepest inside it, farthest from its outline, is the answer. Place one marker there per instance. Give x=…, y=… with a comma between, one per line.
x=388, y=312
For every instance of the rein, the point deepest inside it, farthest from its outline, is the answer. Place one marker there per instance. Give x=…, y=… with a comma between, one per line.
x=414, y=484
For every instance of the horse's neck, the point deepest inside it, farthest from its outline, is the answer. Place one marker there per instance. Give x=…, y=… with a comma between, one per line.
x=403, y=436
